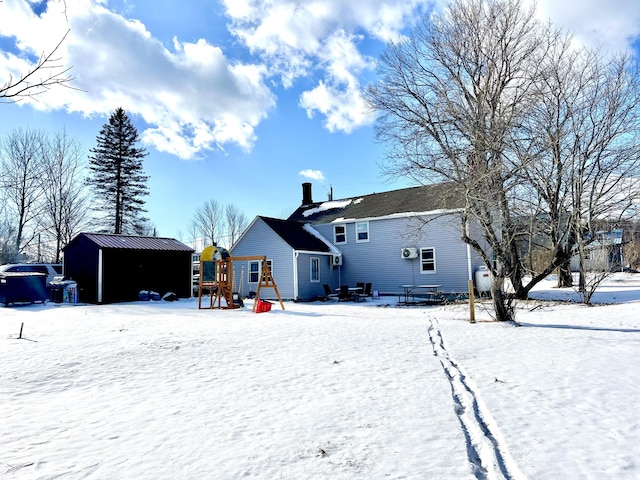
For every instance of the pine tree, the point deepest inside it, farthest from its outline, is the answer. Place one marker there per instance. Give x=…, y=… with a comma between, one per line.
x=116, y=174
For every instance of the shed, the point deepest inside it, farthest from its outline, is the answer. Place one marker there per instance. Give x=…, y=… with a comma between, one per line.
x=112, y=268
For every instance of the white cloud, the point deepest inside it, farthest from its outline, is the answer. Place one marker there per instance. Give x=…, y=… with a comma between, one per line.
x=613, y=26
x=313, y=174
x=193, y=97
x=321, y=37
x=338, y=98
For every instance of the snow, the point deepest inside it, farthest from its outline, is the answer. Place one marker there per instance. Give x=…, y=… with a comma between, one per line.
x=312, y=231
x=162, y=390
x=323, y=207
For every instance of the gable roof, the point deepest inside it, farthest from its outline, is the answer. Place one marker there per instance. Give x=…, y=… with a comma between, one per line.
x=133, y=242
x=412, y=200
x=297, y=235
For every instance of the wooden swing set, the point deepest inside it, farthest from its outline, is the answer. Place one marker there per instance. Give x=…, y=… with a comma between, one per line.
x=216, y=276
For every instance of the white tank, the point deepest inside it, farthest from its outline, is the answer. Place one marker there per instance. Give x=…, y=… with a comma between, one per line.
x=483, y=280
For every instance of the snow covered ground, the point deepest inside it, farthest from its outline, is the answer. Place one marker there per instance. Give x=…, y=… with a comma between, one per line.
x=323, y=391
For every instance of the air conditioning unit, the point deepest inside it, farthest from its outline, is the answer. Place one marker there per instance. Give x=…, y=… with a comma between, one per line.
x=335, y=260
x=409, y=252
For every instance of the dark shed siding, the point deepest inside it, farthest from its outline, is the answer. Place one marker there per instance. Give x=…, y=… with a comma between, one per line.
x=129, y=264
x=81, y=265
x=126, y=272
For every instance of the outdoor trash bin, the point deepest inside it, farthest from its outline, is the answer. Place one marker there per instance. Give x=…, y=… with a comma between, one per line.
x=263, y=306
x=56, y=292
x=23, y=287
x=71, y=292
x=63, y=291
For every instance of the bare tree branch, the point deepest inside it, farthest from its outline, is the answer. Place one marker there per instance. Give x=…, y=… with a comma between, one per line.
x=48, y=72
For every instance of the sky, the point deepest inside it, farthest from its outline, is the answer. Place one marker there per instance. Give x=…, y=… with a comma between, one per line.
x=238, y=101
x=324, y=390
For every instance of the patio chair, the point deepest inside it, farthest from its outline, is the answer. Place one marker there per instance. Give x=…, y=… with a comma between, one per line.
x=344, y=294
x=366, y=292
x=328, y=294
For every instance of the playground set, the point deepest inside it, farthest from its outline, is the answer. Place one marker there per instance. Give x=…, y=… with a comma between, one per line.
x=216, y=279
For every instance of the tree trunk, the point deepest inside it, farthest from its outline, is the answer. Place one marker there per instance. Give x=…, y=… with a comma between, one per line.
x=501, y=303
x=565, y=279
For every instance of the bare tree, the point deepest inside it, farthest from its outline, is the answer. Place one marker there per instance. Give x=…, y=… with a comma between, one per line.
x=8, y=251
x=209, y=221
x=449, y=99
x=537, y=138
x=66, y=205
x=23, y=168
x=584, y=126
x=236, y=223
x=47, y=72
x=193, y=232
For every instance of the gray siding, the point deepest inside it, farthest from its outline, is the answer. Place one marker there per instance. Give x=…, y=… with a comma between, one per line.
x=308, y=290
x=379, y=261
x=262, y=240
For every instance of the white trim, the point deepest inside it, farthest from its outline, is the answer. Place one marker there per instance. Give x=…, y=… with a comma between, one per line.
x=246, y=230
x=356, y=228
x=335, y=240
x=311, y=260
x=99, y=275
x=435, y=264
x=315, y=252
x=249, y=271
x=399, y=215
x=315, y=233
x=296, y=287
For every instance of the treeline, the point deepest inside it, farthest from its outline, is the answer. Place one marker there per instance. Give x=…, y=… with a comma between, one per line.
x=49, y=193
x=44, y=199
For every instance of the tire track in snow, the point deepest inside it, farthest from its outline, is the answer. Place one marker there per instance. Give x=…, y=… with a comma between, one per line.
x=486, y=448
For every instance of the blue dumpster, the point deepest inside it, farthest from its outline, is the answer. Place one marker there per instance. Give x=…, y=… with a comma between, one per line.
x=23, y=287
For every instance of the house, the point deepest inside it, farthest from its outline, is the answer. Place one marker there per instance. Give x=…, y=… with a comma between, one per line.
x=298, y=256
x=406, y=236
x=603, y=252
x=111, y=268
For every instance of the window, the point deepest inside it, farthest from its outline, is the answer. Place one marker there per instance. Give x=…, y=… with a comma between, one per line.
x=315, y=269
x=255, y=270
x=362, y=231
x=428, y=260
x=339, y=234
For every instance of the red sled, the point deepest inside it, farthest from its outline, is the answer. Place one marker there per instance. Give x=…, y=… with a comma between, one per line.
x=263, y=306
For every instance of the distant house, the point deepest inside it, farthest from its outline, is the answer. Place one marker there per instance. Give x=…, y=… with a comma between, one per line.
x=115, y=268
x=407, y=236
x=603, y=252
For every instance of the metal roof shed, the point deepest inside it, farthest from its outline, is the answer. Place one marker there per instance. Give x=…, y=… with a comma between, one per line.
x=113, y=268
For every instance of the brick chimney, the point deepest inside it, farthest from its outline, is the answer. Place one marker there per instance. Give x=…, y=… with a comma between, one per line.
x=306, y=194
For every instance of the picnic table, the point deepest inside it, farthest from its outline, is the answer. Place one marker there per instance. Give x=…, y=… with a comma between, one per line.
x=409, y=290
x=430, y=290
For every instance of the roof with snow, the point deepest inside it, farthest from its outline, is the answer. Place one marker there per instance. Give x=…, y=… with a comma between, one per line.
x=297, y=235
x=413, y=200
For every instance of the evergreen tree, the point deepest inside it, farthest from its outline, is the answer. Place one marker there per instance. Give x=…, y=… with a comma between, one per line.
x=116, y=174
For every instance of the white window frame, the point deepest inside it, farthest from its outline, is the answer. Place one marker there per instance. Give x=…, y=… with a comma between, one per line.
x=315, y=260
x=259, y=271
x=358, y=239
x=423, y=263
x=335, y=233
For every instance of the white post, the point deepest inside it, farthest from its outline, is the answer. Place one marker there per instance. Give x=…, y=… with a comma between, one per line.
x=100, y=275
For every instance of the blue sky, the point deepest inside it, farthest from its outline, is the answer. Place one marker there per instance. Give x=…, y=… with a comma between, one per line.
x=239, y=101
